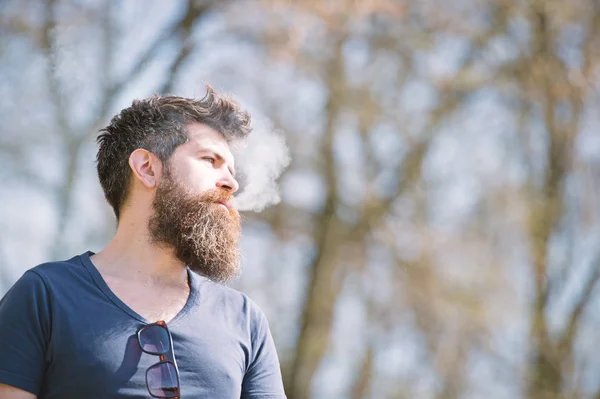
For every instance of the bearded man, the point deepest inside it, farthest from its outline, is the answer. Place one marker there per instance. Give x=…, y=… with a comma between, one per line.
x=150, y=314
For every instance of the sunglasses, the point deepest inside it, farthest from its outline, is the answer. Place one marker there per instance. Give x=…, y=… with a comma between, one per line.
x=162, y=378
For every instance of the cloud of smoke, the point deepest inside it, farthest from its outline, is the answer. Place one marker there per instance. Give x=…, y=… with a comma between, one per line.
x=260, y=160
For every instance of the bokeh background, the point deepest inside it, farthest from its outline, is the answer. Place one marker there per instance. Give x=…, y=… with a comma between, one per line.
x=439, y=229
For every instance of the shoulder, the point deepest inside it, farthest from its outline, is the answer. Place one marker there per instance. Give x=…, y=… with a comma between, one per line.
x=230, y=301
x=53, y=268
x=51, y=276
x=59, y=270
x=38, y=276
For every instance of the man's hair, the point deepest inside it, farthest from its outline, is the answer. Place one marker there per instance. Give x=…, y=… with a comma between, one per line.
x=158, y=124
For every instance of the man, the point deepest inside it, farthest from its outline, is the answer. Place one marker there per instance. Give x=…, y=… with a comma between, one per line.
x=149, y=314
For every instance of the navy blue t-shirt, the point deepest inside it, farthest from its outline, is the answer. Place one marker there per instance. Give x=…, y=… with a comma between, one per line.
x=64, y=334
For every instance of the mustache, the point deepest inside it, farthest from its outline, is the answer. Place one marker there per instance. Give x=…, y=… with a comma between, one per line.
x=212, y=195
x=217, y=195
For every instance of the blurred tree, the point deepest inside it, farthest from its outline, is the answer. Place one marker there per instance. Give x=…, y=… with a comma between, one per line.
x=540, y=84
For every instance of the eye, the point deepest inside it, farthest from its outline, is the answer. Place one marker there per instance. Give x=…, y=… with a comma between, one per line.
x=209, y=159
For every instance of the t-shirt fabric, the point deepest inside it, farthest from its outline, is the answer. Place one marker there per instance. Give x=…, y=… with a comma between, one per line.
x=65, y=334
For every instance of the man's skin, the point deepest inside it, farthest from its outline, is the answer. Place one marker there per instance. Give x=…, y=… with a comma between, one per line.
x=8, y=392
x=148, y=278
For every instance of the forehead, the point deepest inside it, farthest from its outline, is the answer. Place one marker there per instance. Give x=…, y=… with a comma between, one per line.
x=203, y=137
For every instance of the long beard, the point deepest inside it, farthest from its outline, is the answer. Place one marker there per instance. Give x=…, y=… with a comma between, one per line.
x=203, y=234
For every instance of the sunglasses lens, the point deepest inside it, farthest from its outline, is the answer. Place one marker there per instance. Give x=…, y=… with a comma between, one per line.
x=154, y=339
x=162, y=380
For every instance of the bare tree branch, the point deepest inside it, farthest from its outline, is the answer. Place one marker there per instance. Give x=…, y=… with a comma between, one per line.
x=566, y=343
x=324, y=283
x=58, y=99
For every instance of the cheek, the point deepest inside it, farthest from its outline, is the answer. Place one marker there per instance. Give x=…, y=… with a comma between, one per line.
x=198, y=177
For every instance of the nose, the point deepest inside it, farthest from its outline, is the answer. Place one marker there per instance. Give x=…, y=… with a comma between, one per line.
x=228, y=183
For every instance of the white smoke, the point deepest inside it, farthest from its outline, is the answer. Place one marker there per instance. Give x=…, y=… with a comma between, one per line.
x=260, y=160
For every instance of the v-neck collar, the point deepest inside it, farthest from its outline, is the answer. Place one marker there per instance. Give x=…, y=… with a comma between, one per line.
x=194, y=281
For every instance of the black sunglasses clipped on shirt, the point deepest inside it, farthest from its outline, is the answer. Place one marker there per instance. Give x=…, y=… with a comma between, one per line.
x=162, y=378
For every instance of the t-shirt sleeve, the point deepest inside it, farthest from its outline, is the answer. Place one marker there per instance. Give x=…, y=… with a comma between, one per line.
x=263, y=374
x=24, y=332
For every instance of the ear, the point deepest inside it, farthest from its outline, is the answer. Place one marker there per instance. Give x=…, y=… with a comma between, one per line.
x=146, y=167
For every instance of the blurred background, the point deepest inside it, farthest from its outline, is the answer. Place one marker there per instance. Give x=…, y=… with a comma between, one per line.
x=439, y=230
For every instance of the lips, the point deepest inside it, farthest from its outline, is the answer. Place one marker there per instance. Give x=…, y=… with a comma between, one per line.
x=225, y=203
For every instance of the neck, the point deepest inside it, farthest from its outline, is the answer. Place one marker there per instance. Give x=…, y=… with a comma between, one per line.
x=131, y=255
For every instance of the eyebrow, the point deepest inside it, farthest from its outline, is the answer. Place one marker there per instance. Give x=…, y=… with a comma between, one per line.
x=220, y=158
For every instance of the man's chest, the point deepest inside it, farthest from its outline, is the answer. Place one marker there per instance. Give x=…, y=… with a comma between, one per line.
x=103, y=359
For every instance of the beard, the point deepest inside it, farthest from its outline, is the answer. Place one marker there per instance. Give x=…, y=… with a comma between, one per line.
x=202, y=233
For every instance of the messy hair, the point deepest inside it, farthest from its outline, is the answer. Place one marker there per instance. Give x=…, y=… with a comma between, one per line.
x=158, y=125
